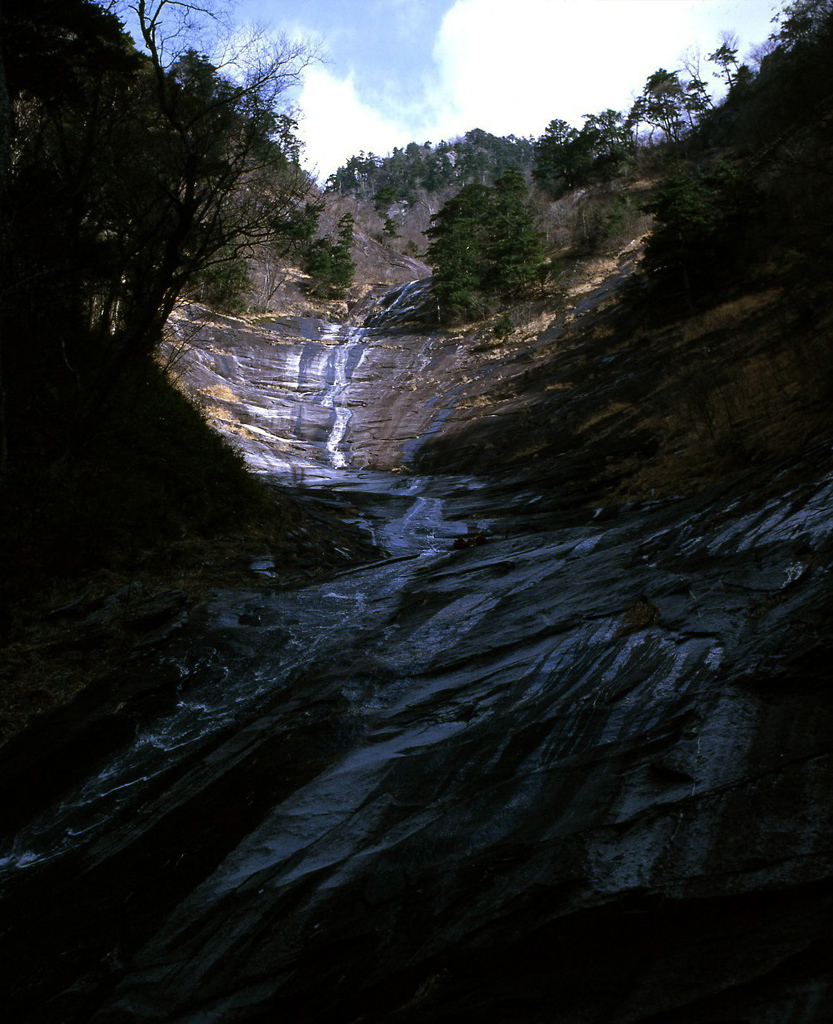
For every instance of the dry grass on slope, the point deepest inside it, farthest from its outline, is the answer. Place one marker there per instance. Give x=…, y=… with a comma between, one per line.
x=610, y=401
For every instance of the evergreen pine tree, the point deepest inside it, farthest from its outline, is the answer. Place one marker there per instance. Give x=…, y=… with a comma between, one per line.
x=330, y=263
x=484, y=244
x=458, y=236
x=514, y=251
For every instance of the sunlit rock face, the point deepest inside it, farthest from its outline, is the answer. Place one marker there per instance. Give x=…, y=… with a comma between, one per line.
x=302, y=397
x=577, y=772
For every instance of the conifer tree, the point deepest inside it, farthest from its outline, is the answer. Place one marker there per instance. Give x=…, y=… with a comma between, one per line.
x=329, y=262
x=484, y=245
x=458, y=236
x=514, y=251
x=560, y=158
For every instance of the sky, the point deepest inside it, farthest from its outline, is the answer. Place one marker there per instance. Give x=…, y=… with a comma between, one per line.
x=400, y=71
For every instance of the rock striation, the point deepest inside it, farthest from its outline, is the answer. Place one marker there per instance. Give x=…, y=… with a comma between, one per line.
x=576, y=768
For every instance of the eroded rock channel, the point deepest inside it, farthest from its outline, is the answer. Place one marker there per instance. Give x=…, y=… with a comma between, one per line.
x=574, y=768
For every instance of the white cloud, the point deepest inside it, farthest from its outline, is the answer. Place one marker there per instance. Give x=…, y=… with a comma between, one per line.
x=336, y=123
x=513, y=67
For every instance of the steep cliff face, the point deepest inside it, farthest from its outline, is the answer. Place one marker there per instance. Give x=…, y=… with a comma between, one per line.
x=399, y=393
x=305, y=396
x=555, y=757
x=595, y=397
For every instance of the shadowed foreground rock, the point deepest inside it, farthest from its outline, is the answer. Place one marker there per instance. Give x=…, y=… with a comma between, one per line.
x=578, y=773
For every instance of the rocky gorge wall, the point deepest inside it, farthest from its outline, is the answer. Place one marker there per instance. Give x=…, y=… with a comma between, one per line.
x=544, y=760
x=299, y=395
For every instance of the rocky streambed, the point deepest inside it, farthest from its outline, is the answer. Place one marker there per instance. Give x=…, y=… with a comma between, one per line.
x=541, y=761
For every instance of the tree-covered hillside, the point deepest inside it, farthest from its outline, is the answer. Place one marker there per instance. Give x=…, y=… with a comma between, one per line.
x=722, y=179
x=477, y=158
x=401, y=186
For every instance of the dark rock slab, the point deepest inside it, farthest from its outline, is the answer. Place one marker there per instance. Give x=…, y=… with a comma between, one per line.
x=581, y=772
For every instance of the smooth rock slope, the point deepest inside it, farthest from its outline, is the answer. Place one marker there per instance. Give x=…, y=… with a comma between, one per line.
x=579, y=771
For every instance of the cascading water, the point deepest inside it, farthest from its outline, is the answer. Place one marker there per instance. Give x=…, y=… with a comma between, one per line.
x=412, y=303
x=438, y=786
x=349, y=339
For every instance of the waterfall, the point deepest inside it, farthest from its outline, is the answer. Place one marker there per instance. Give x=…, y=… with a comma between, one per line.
x=351, y=337
x=411, y=303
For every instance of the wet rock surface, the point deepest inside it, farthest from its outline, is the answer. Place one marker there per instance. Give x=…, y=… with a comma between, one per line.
x=302, y=397
x=538, y=763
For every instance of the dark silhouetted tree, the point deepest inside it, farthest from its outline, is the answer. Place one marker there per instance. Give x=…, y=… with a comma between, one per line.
x=661, y=105
x=725, y=57
x=700, y=228
x=562, y=158
x=128, y=176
